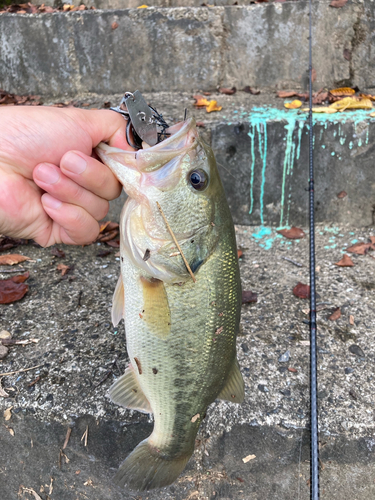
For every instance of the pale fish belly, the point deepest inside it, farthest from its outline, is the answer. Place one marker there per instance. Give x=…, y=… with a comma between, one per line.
x=182, y=363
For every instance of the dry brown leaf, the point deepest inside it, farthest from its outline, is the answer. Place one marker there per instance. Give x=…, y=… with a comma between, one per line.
x=107, y=236
x=346, y=261
x=213, y=106
x=63, y=268
x=20, y=278
x=293, y=105
x=12, y=258
x=294, y=233
x=335, y=315
x=250, y=90
x=342, y=194
x=292, y=370
x=249, y=297
x=3, y=393
x=359, y=248
x=11, y=431
x=338, y=3
x=351, y=319
x=248, y=458
x=239, y=253
x=286, y=93
x=227, y=91
x=8, y=413
x=367, y=96
x=302, y=291
x=11, y=291
x=114, y=25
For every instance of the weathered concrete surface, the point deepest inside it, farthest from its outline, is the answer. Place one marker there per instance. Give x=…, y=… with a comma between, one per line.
x=262, y=152
x=181, y=49
x=77, y=347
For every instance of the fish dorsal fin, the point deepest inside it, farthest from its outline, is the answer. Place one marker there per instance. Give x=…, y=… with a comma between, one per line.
x=234, y=387
x=118, y=303
x=156, y=312
x=127, y=392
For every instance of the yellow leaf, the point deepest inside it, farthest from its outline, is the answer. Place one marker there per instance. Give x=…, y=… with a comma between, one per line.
x=201, y=102
x=372, y=114
x=212, y=106
x=323, y=109
x=351, y=103
x=343, y=91
x=367, y=96
x=143, y=7
x=293, y=105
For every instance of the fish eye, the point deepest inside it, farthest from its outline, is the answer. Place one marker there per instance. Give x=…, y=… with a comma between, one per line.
x=198, y=179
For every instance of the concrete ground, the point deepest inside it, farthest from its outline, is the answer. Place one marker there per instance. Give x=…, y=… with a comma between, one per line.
x=81, y=353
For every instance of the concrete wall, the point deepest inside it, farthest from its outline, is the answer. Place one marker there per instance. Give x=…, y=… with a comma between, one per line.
x=183, y=49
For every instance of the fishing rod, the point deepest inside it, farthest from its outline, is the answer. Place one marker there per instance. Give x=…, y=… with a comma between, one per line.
x=314, y=438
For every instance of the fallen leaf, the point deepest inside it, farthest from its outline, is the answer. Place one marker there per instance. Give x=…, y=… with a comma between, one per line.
x=372, y=114
x=213, y=106
x=200, y=101
x=6, y=243
x=114, y=25
x=248, y=458
x=239, y=253
x=3, y=393
x=342, y=194
x=286, y=93
x=195, y=418
x=359, y=248
x=12, y=258
x=11, y=291
x=113, y=243
x=320, y=97
x=143, y=7
x=367, y=96
x=107, y=236
x=63, y=268
x=346, y=261
x=335, y=315
x=58, y=253
x=294, y=233
x=227, y=91
x=351, y=319
x=302, y=291
x=20, y=278
x=323, y=109
x=338, y=3
x=342, y=92
x=33, y=493
x=11, y=432
x=293, y=105
x=351, y=103
x=292, y=370
x=248, y=297
x=8, y=413
x=250, y=90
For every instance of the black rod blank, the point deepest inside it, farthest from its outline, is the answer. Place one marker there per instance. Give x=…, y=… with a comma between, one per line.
x=314, y=464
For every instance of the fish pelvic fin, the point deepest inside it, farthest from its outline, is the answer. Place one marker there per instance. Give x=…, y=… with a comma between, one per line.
x=127, y=392
x=118, y=302
x=146, y=468
x=234, y=389
x=156, y=312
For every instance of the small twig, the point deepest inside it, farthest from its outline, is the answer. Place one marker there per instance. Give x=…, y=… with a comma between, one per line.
x=107, y=374
x=20, y=371
x=18, y=342
x=18, y=270
x=34, y=381
x=85, y=435
x=292, y=261
x=80, y=298
x=176, y=242
x=67, y=437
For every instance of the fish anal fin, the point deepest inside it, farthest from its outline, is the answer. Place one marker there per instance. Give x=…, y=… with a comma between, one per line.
x=156, y=312
x=127, y=392
x=118, y=302
x=234, y=389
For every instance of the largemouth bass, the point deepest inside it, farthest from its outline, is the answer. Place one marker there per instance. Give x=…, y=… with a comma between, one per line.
x=180, y=334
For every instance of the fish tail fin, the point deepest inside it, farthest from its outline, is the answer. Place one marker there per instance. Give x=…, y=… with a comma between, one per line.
x=145, y=468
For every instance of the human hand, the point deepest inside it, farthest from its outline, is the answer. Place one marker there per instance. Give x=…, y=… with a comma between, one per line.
x=51, y=189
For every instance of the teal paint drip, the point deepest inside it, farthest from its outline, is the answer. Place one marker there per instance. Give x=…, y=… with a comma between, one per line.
x=252, y=137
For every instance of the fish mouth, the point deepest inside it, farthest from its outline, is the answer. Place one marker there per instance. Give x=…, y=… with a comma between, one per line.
x=183, y=138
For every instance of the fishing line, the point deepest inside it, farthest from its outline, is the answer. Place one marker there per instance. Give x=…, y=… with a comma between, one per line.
x=314, y=463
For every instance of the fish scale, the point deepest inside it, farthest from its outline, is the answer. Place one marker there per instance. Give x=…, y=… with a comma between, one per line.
x=180, y=334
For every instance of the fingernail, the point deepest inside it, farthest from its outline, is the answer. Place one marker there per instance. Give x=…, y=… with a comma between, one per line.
x=48, y=174
x=51, y=202
x=74, y=163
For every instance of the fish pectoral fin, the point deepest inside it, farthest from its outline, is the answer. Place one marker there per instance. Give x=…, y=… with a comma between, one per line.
x=118, y=302
x=127, y=392
x=234, y=389
x=156, y=312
